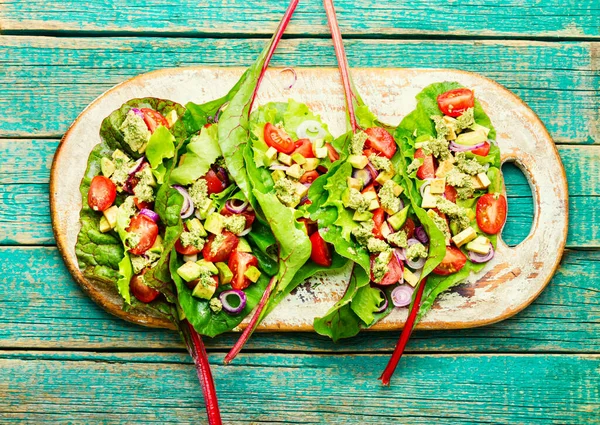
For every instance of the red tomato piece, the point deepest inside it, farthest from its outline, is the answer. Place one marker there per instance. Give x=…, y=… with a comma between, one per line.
x=140, y=205
x=304, y=147
x=394, y=273
x=427, y=170
x=453, y=261
x=221, y=252
x=491, y=212
x=482, y=151
x=450, y=193
x=309, y=176
x=147, y=231
x=381, y=140
x=153, y=119
x=239, y=262
x=277, y=138
x=333, y=154
x=140, y=290
x=369, y=188
x=186, y=250
x=455, y=102
x=214, y=183
x=409, y=228
x=320, y=252
x=102, y=193
x=311, y=226
x=378, y=220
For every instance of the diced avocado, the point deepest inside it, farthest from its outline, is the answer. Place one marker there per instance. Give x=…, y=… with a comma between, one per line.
x=298, y=158
x=194, y=225
x=311, y=164
x=354, y=183
x=172, y=117
x=444, y=167
x=476, y=183
x=465, y=236
x=110, y=215
x=119, y=154
x=454, y=229
x=370, y=195
x=362, y=216
x=480, y=245
x=225, y=274
x=385, y=176
x=252, y=273
x=484, y=180
x=284, y=158
x=318, y=143
x=374, y=205
x=471, y=138
x=107, y=167
x=158, y=245
x=205, y=209
x=207, y=265
x=385, y=230
x=346, y=197
x=397, y=189
x=244, y=246
x=321, y=152
x=429, y=200
x=438, y=186
x=214, y=223
x=271, y=153
x=189, y=271
x=397, y=220
x=410, y=277
x=278, y=175
x=295, y=171
x=358, y=161
x=301, y=190
x=104, y=226
x=204, y=290
x=479, y=127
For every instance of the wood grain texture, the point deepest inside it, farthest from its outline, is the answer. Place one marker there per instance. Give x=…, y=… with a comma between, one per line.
x=24, y=214
x=559, y=81
x=42, y=307
x=308, y=389
x=514, y=18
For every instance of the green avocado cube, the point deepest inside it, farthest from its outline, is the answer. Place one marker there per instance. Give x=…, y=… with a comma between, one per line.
x=225, y=274
x=271, y=153
x=354, y=183
x=311, y=164
x=295, y=171
x=243, y=246
x=471, y=138
x=194, y=225
x=205, y=210
x=207, y=265
x=110, y=215
x=321, y=152
x=214, y=223
x=158, y=245
x=298, y=158
x=252, y=273
x=284, y=158
x=362, y=216
x=480, y=245
x=104, y=226
x=278, y=175
x=397, y=220
x=107, y=167
x=204, y=290
x=385, y=176
x=358, y=161
x=189, y=271
x=119, y=154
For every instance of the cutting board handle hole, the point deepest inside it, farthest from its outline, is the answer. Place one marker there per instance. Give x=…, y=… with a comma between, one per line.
x=520, y=204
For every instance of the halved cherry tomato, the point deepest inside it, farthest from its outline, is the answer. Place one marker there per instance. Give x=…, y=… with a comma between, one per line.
x=482, y=151
x=320, y=252
x=450, y=193
x=378, y=219
x=409, y=228
x=311, y=226
x=186, y=250
x=140, y=205
x=454, y=102
x=223, y=250
x=304, y=147
x=453, y=261
x=393, y=275
x=153, y=119
x=277, y=138
x=381, y=140
x=333, y=154
x=102, y=193
x=147, y=231
x=309, y=176
x=214, y=183
x=239, y=262
x=427, y=170
x=140, y=290
x=491, y=212
x=192, y=284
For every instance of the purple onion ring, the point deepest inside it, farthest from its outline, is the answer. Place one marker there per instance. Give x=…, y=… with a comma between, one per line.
x=455, y=147
x=480, y=258
x=240, y=295
x=421, y=234
x=235, y=208
x=150, y=214
x=384, y=303
x=187, y=208
x=294, y=77
x=402, y=295
x=139, y=164
x=138, y=112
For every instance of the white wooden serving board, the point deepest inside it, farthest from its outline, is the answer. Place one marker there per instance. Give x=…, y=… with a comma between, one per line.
x=510, y=282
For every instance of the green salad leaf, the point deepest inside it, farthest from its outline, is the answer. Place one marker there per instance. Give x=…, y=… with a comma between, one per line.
x=160, y=146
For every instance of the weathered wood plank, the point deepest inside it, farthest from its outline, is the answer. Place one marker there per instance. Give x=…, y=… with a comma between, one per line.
x=558, y=80
x=25, y=217
x=548, y=18
x=308, y=389
x=42, y=307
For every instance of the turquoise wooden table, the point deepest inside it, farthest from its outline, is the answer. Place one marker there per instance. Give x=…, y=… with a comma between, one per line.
x=63, y=359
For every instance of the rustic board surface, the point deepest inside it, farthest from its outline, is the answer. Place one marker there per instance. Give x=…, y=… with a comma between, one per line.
x=62, y=54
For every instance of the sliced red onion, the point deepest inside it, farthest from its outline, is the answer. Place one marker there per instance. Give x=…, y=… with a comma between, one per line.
x=294, y=77
x=481, y=258
x=221, y=109
x=139, y=164
x=137, y=112
x=240, y=295
x=187, y=209
x=372, y=170
x=150, y=214
x=426, y=183
x=279, y=167
x=245, y=232
x=415, y=264
x=193, y=258
x=455, y=147
x=364, y=175
x=402, y=295
x=384, y=303
x=400, y=254
x=233, y=206
x=421, y=234
x=223, y=176
x=310, y=129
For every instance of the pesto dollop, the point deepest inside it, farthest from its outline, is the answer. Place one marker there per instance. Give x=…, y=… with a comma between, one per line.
x=199, y=193
x=144, y=189
x=380, y=266
x=285, y=190
x=357, y=200
x=381, y=163
x=458, y=215
x=358, y=143
x=234, y=223
x=399, y=239
x=215, y=305
x=363, y=233
x=416, y=251
x=387, y=198
x=468, y=166
x=376, y=245
x=135, y=132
